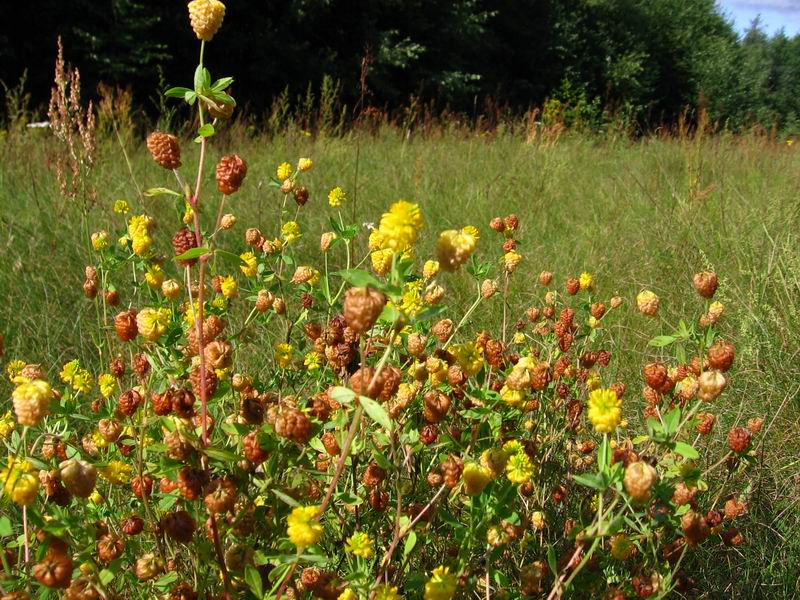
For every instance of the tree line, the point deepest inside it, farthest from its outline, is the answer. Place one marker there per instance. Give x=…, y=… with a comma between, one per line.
x=645, y=60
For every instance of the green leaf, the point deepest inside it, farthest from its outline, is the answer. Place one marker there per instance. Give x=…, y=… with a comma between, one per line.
x=286, y=498
x=593, y=480
x=360, y=278
x=192, y=253
x=411, y=541
x=376, y=412
x=235, y=258
x=221, y=455
x=551, y=559
x=661, y=341
x=161, y=191
x=177, y=92
x=198, y=78
x=5, y=527
x=106, y=577
x=672, y=420
x=686, y=450
x=222, y=84
x=166, y=580
x=253, y=580
x=342, y=395
x=206, y=130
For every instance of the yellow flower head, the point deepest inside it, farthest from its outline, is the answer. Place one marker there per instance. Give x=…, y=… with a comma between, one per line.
x=360, y=544
x=469, y=357
x=311, y=361
x=100, y=240
x=304, y=164
x=116, y=472
x=250, y=266
x=69, y=371
x=455, y=247
x=381, y=261
x=442, y=584
x=399, y=227
x=14, y=369
x=347, y=594
x=140, y=225
x=476, y=477
x=387, y=592
x=284, y=171
x=511, y=260
x=153, y=322
x=430, y=269
x=519, y=337
x=141, y=244
x=283, y=354
x=585, y=281
x=6, y=425
x=336, y=197
x=290, y=231
x=154, y=276
x=647, y=302
x=121, y=207
x=188, y=213
x=83, y=381
x=512, y=397
x=519, y=468
x=304, y=530
x=229, y=286
x=20, y=483
x=107, y=384
x=605, y=410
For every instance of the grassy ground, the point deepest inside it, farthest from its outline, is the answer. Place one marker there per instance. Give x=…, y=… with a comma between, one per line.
x=636, y=214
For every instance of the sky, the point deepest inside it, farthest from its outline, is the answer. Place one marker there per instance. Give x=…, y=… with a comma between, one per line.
x=775, y=14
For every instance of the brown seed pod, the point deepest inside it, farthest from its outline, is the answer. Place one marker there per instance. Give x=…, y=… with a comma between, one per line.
x=290, y=423
x=301, y=195
x=191, y=482
x=182, y=402
x=210, y=379
x=129, y=401
x=452, y=468
x=639, y=480
x=78, y=477
x=252, y=448
x=721, y=355
x=183, y=241
x=378, y=499
x=705, y=283
x=231, y=171
x=694, y=526
x=149, y=566
x=739, y=439
x=362, y=307
x=162, y=403
x=164, y=149
x=220, y=496
x=435, y=406
x=110, y=547
x=179, y=525
x=133, y=525
x=110, y=429
x=54, y=570
x=573, y=286
x=443, y=330
x=125, y=325
x=142, y=486
x=373, y=475
x=178, y=446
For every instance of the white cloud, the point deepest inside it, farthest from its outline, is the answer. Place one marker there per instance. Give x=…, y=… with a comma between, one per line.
x=786, y=6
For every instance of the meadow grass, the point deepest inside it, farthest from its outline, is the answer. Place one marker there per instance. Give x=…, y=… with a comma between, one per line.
x=646, y=213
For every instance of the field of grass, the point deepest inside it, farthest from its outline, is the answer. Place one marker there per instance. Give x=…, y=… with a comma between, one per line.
x=636, y=214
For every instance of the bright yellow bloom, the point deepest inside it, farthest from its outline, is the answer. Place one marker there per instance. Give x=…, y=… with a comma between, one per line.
x=304, y=164
x=229, y=286
x=375, y=240
x=585, y=281
x=382, y=261
x=69, y=370
x=411, y=302
x=512, y=397
x=250, y=266
x=442, y=584
x=19, y=481
x=519, y=337
x=605, y=410
x=304, y=529
x=360, y=544
x=290, y=231
x=140, y=225
x=284, y=171
x=387, y=592
x=336, y=197
x=188, y=213
x=455, y=247
x=283, y=354
x=100, y=240
x=153, y=322
x=116, y=472
x=399, y=227
x=6, y=425
x=430, y=269
x=311, y=361
x=141, y=244
x=476, y=477
x=220, y=302
x=95, y=497
x=98, y=440
x=14, y=369
x=83, y=381
x=519, y=468
x=469, y=357
x=107, y=384
x=511, y=260
x=154, y=276
x=189, y=312
x=347, y=594
x=121, y=207
x=593, y=322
